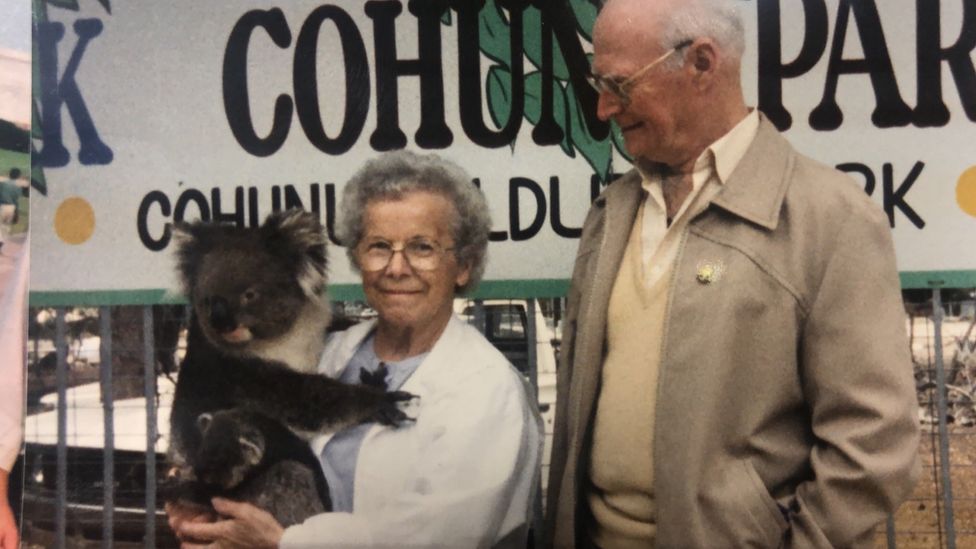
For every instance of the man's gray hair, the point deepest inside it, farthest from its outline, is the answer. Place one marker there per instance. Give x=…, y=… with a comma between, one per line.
x=716, y=19
x=394, y=174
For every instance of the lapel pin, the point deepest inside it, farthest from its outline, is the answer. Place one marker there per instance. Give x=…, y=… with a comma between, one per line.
x=709, y=271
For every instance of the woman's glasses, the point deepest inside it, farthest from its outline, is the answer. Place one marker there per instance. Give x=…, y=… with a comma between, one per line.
x=421, y=254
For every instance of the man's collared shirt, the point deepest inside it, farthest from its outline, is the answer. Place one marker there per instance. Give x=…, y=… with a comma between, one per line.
x=659, y=242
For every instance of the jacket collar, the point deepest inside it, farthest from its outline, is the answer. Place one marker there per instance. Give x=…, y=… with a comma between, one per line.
x=757, y=186
x=437, y=366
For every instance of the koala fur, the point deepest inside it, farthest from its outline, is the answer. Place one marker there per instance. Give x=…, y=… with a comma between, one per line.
x=248, y=456
x=258, y=327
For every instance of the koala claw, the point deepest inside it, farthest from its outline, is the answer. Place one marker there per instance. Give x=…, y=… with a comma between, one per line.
x=401, y=396
x=393, y=414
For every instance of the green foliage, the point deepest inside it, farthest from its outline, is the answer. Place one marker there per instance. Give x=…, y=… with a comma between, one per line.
x=532, y=36
x=495, y=37
x=533, y=107
x=499, y=101
x=495, y=43
x=585, y=13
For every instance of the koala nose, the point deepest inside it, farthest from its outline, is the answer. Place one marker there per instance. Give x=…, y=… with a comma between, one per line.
x=220, y=316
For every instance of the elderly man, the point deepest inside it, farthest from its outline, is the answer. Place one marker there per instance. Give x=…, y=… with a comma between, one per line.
x=736, y=371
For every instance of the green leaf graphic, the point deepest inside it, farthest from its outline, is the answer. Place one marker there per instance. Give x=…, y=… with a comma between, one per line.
x=532, y=35
x=445, y=19
x=597, y=153
x=498, y=87
x=495, y=38
x=38, y=181
x=585, y=13
x=533, y=107
x=40, y=15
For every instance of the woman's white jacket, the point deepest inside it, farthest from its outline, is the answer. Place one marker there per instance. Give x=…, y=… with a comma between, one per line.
x=463, y=475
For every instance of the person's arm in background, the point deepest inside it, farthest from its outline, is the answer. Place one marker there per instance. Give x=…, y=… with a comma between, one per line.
x=8, y=527
x=13, y=336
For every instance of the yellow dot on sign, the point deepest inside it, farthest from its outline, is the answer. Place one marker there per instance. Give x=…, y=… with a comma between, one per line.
x=966, y=191
x=74, y=220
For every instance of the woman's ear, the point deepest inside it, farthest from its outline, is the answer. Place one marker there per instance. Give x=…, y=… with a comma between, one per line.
x=463, y=274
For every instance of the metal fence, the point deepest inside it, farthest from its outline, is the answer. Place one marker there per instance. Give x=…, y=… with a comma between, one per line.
x=100, y=383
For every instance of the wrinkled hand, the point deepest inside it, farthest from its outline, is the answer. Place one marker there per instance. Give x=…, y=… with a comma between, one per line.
x=244, y=526
x=8, y=527
x=185, y=514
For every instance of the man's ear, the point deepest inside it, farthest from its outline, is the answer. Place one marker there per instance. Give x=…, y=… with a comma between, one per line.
x=703, y=59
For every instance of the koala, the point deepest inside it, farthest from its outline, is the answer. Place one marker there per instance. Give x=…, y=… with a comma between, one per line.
x=256, y=332
x=247, y=456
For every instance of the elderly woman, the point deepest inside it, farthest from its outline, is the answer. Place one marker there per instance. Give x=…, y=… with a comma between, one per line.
x=464, y=473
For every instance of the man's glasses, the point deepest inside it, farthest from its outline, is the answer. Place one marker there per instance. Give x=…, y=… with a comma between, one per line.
x=421, y=254
x=621, y=88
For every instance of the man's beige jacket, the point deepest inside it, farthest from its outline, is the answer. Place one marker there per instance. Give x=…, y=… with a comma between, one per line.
x=786, y=408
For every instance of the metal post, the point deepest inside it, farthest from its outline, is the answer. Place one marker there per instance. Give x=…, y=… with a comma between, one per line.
x=149, y=363
x=937, y=316
x=108, y=417
x=530, y=336
x=61, y=375
x=479, y=317
x=532, y=356
x=890, y=532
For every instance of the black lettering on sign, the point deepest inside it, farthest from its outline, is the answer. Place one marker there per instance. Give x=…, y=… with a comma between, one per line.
x=142, y=221
x=931, y=110
x=858, y=168
x=493, y=236
x=433, y=132
x=306, y=80
x=469, y=74
x=772, y=69
x=64, y=92
x=191, y=196
x=559, y=15
x=893, y=198
x=217, y=212
x=246, y=202
x=890, y=110
x=236, y=101
x=555, y=215
x=518, y=232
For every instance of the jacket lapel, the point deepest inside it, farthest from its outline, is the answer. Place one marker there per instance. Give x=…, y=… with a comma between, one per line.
x=622, y=200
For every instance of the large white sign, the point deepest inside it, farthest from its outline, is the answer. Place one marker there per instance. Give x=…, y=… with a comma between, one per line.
x=166, y=111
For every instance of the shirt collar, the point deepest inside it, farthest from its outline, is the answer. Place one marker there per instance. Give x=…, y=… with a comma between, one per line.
x=720, y=158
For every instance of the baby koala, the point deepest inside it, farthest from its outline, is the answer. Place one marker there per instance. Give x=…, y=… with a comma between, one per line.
x=247, y=456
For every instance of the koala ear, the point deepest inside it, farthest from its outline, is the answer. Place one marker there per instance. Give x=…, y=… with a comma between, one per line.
x=300, y=237
x=252, y=452
x=192, y=242
x=203, y=422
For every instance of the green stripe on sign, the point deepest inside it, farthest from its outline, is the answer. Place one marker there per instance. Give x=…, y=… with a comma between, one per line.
x=490, y=289
x=338, y=292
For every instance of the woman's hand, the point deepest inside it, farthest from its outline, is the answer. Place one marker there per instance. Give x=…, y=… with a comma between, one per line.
x=243, y=525
x=186, y=514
